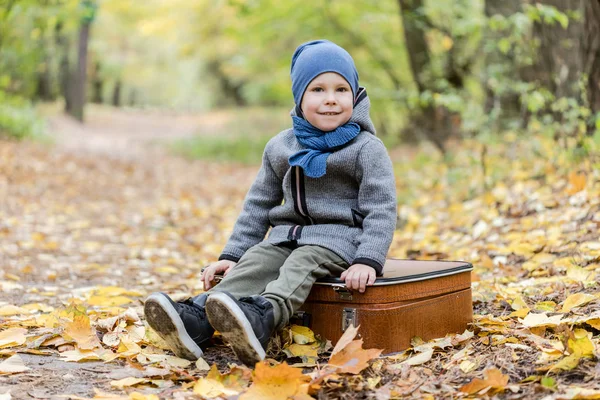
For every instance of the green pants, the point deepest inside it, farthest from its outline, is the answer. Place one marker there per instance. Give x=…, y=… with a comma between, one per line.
x=281, y=274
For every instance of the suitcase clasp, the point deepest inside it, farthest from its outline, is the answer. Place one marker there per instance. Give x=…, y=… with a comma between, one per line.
x=348, y=318
x=343, y=292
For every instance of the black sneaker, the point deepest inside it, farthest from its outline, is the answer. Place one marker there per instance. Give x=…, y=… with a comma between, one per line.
x=247, y=324
x=183, y=325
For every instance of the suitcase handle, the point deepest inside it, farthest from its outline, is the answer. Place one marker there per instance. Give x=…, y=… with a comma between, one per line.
x=342, y=291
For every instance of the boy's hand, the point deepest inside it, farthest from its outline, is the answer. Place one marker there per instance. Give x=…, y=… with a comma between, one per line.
x=208, y=273
x=358, y=276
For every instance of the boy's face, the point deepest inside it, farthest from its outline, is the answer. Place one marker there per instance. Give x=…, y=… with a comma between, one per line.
x=327, y=102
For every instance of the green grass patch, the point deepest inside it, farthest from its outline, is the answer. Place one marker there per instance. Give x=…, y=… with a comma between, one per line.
x=237, y=135
x=18, y=118
x=245, y=149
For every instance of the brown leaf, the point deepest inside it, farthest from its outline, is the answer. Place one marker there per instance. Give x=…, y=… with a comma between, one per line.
x=353, y=358
x=494, y=381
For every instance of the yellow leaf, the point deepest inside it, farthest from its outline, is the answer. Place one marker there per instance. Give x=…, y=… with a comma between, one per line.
x=302, y=334
x=519, y=304
x=545, y=306
x=447, y=43
x=580, y=274
x=81, y=331
x=299, y=350
x=141, y=396
x=580, y=393
x=353, y=358
x=129, y=381
x=576, y=300
x=580, y=346
x=167, y=270
x=467, y=366
x=494, y=382
x=420, y=358
x=275, y=383
x=108, y=301
x=576, y=182
x=13, y=365
x=594, y=323
x=202, y=365
x=9, y=310
x=209, y=388
x=522, y=313
x=78, y=355
x=12, y=337
x=540, y=320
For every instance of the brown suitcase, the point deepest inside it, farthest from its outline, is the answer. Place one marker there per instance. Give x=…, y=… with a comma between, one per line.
x=428, y=299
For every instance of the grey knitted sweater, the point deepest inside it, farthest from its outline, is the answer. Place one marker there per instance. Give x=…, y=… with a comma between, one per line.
x=351, y=210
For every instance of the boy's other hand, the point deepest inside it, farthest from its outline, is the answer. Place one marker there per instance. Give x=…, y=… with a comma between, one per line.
x=359, y=276
x=208, y=273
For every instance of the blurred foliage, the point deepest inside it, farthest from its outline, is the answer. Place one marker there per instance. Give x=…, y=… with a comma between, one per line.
x=203, y=54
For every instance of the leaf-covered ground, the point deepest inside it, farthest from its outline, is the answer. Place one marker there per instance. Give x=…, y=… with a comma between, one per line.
x=86, y=235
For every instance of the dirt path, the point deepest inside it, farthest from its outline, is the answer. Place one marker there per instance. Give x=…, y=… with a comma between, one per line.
x=128, y=134
x=106, y=206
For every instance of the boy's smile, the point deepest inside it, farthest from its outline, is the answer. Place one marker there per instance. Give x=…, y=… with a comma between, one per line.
x=328, y=101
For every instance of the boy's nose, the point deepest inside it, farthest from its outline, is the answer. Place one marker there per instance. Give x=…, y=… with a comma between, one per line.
x=330, y=98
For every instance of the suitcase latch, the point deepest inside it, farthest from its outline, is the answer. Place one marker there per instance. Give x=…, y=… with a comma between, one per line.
x=348, y=318
x=343, y=292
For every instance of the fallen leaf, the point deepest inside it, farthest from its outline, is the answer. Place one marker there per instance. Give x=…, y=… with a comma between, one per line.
x=10, y=310
x=81, y=331
x=580, y=346
x=126, y=382
x=494, y=382
x=353, y=358
x=202, y=365
x=576, y=300
x=347, y=337
x=13, y=365
x=302, y=334
x=79, y=355
x=467, y=366
x=275, y=383
x=420, y=358
x=576, y=182
x=12, y=337
x=533, y=320
x=578, y=393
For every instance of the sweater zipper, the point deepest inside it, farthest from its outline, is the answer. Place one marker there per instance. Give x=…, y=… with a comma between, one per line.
x=299, y=196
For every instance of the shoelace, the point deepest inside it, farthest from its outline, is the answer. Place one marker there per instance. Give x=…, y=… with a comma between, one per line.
x=189, y=306
x=261, y=308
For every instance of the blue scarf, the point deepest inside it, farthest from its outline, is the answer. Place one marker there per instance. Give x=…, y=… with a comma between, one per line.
x=319, y=145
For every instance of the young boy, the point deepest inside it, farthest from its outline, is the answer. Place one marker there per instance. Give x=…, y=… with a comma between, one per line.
x=326, y=189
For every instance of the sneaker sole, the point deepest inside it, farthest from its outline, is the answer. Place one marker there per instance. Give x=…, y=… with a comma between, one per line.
x=163, y=318
x=229, y=319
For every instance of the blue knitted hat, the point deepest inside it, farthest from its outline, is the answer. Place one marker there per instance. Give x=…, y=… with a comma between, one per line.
x=316, y=57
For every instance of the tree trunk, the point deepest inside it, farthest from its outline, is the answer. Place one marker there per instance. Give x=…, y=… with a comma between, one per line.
x=97, y=85
x=44, y=82
x=230, y=89
x=591, y=57
x=437, y=124
x=116, y=97
x=508, y=104
x=64, y=70
x=79, y=91
x=558, y=67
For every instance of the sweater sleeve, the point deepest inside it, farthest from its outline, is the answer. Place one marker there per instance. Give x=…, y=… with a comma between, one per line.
x=253, y=222
x=377, y=201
